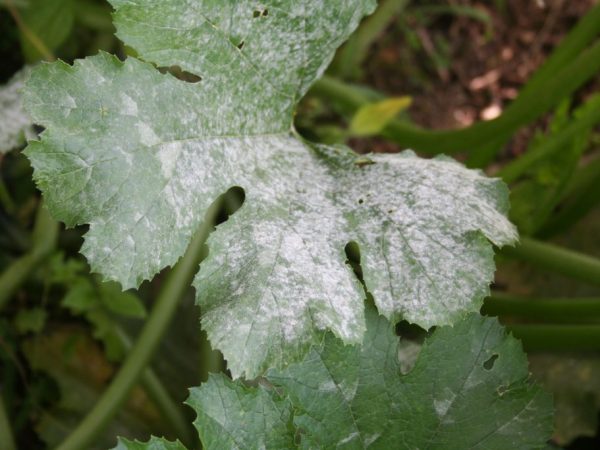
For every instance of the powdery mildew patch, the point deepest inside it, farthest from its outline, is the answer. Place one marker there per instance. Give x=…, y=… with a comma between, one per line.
x=140, y=156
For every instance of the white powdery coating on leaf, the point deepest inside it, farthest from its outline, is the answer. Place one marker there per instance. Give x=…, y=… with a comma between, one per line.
x=168, y=154
x=147, y=135
x=129, y=105
x=14, y=121
x=140, y=156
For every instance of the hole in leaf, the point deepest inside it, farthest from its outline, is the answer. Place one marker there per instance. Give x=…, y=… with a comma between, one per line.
x=501, y=390
x=353, y=254
x=489, y=364
x=409, y=347
x=360, y=201
x=241, y=45
x=232, y=200
x=410, y=331
x=183, y=75
x=258, y=13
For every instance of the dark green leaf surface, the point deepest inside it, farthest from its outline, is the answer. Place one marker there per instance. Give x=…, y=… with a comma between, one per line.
x=140, y=156
x=154, y=444
x=469, y=389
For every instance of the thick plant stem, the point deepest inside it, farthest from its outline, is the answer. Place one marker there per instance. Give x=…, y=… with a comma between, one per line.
x=557, y=337
x=177, y=282
x=45, y=234
x=527, y=107
x=548, y=310
x=161, y=398
x=7, y=440
x=556, y=259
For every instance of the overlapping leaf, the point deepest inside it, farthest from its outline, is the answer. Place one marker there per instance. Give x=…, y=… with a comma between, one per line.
x=469, y=389
x=15, y=123
x=140, y=156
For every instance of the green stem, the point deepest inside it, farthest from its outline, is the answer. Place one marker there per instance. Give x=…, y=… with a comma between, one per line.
x=550, y=310
x=350, y=57
x=556, y=259
x=170, y=410
x=580, y=36
x=532, y=103
x=210, y=360
x=5, y=199
x=176, y=283
x=558, y=337
x=45, y=234
x=7, y=440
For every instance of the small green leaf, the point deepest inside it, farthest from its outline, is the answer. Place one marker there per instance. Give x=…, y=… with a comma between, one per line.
x=541, y=188
x=373, y=118
x=31, y=320
x=50, y=21
x=99, y=304
x=80, y=297
x=125, y=304
x=470, y=388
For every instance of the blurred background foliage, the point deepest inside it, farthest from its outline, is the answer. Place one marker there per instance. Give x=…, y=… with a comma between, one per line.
x=506, y=86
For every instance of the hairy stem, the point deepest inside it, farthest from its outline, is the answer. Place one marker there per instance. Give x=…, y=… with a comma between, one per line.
x=45, y=234
x=556, y=259
x=176, y=283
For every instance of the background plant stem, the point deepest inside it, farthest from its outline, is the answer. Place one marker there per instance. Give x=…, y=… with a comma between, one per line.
x=176, y=283
x=549, y=310
x=557, y=337
x=556, y=259
x=45, y=234
x=171, y=411
x=526, y=108
x=556, y=79
x=349, y=59
x=7, y=441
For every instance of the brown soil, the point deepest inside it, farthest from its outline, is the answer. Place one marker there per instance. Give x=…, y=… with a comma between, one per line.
x=480, y=67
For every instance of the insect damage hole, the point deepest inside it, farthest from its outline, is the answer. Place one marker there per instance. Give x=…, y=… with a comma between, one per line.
x=352, y=251
x=260, y=13
x=489, y=363
x=181, y=74
x=240, y=46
